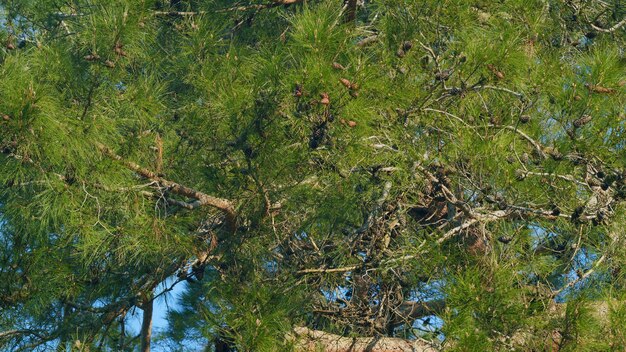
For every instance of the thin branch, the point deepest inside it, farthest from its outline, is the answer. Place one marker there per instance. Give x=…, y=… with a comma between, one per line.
x=92, y=88
x=367, y=41
x=582, y=277
x=501, y=89
x=563, y=177
x=379, y=203
x=178, y=13
x=456, y=230
x=36, y=333
x=535, y=144
x=328, y=270
x=201, y=199
x=547, y=214
x=612, y=29
x=477, y=218
x=411, y=310
x=448, y=114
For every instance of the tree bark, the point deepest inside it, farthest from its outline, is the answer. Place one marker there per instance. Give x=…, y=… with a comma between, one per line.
x=146, y=326
x=315, y=340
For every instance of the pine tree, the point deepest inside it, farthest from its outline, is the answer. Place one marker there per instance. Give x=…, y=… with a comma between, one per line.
x=320, y=175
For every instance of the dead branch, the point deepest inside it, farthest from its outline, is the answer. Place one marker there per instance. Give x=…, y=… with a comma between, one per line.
x=617, y=26
x=328, y=270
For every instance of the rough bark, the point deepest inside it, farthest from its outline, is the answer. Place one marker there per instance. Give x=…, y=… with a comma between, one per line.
x=315, y=340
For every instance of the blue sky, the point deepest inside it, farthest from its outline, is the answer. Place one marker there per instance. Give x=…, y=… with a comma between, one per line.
x=161, y=306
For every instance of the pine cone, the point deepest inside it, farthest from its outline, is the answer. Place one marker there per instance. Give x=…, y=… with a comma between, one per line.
x=599, y=89
x=318, y=136
x=298, y=91
x=525, y=158
x=338, y=66
x=443, y=75
x=345, y=83
x=92, y=57
x=118, y=49
x=325, y=99
x=495, y=71
x=583, y=120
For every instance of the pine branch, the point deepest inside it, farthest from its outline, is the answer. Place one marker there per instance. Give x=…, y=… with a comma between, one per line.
x=446, y=192
x=372, y=214
x=569, y=178
x=275, y=3
x=179, y=13
x=617, y=26
x=587, y=273
x=501, y=89
x=9, y=333
x=201, y=199
x=411, y=310
x=328, y=270
x=537, y=145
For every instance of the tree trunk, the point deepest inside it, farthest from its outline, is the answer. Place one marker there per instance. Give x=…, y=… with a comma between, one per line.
x=146, y=326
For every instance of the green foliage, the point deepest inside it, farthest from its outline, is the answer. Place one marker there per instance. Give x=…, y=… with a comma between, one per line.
x=468, y=151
